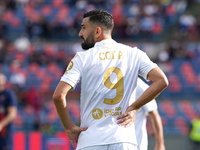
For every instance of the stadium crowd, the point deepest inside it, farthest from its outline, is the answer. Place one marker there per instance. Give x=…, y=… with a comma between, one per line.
x=60, y=19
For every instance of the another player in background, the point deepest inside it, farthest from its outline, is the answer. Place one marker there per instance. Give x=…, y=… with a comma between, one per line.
x=108, y=72
x=8, y=111
x=194, y=134
x=148, y=110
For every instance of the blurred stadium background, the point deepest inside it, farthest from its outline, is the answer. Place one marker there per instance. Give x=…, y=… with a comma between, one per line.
x=38, y=38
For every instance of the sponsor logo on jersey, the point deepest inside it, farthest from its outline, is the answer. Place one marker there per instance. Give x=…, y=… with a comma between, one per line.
x=98, y=113
x=113, y=112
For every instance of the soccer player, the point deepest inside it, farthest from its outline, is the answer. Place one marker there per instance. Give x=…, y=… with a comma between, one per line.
x=194, y=134
x=149, y=111
x=8, y=111
x=108, y=72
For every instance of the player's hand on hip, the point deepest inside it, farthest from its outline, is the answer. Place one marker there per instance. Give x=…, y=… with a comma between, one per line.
x=128, y=118
x=73, y=134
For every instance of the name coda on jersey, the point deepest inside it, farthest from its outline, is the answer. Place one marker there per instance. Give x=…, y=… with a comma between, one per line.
x=111, y=55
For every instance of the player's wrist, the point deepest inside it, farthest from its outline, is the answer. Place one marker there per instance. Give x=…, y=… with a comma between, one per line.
x=160, y=143
x=70, y=128
x=133, y=108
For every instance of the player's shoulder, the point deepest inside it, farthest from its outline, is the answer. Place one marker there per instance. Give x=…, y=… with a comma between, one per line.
x=130, y=49
x=85, y=52
x=126, y=46
x=84, y=56
x=81, y=54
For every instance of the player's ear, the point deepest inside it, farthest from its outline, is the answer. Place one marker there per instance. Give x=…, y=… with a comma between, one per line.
x=98, y=32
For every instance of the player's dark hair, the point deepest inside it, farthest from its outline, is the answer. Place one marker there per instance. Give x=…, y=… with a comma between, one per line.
x=101, y=17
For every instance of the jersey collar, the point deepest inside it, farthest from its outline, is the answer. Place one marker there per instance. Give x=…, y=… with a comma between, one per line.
x=105, y=42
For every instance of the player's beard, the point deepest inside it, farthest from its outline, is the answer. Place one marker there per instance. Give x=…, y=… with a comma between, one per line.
x=88, y=42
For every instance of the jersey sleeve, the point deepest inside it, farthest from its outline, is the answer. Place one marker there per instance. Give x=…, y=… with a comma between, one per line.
x=146, y=65
x=73, y=72
x=13, y=99
x=150, y=106
x=141, y=87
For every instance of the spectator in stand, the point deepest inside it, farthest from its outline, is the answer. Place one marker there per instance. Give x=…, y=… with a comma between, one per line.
x=17, y=78
x=8, y=111
x=10, y=4
x=187, y=21
x=3, y=49
x=170, y=14
x=198, y=26
x=3, y=27
x=157, y=30
x=147, y=24
x=119, y=20
x=150, y=8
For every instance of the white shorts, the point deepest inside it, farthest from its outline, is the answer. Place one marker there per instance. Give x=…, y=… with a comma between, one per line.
x=116, y=146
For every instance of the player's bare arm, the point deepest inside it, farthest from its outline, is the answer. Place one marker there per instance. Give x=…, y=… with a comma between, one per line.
x=156, y=124
x=159, y=83
x=60, y=102
x=12, y=112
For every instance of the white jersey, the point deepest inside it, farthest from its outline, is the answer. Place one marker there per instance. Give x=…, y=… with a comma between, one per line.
x=141, y=116
x=108, y=74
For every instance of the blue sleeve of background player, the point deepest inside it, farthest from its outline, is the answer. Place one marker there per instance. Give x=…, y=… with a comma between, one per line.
x=13, y=99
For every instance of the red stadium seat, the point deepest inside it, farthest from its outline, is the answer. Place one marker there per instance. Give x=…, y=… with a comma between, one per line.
x=57, y=3
x=8, y=16
x=55, y=70
x=175, y=85
x=188, y=109
x=74, y=108
x=181, y=124
x=46, y=10
x=18, y=121
x=188, y=73
x=168, y=108
x=34, y=68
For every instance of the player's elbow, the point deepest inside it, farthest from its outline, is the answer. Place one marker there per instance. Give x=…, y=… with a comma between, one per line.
x=57, y=97
x=164, y=82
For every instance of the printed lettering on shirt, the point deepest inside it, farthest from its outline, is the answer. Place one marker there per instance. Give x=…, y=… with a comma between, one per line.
x=98, y=113
x=111, y=55
x=112, y=112
x=119, y=86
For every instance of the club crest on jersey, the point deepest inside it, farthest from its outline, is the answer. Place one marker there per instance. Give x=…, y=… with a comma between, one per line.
x=71, y=64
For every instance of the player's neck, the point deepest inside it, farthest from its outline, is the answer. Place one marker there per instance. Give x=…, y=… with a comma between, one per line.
x=103, y=37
